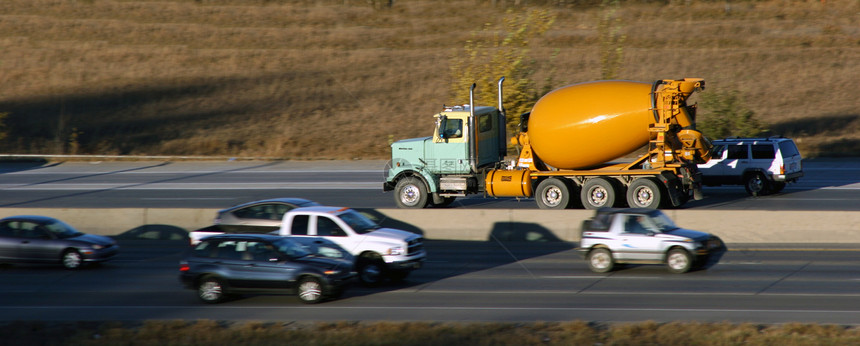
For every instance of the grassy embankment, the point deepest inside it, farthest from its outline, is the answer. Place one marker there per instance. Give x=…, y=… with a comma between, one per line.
x=337, y=79
x=417, y=333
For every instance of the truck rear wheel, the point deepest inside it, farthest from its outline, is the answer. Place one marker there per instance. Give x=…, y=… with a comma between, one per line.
x=410, y=192
x=553, y=193
x=644, y=193
x=598, y=193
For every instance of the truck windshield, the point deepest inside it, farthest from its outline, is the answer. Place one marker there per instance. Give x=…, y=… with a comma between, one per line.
x=358, y=222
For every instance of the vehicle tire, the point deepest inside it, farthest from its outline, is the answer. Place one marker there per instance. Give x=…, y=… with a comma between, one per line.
x=553, y=193
x=72, y=259
x=756, y=184
x=211, y=290
x=598, y=193
x=310, y=290
x=371, y=271
x=410, y=193
x=644, y=193
x=600, y=260
x=679, y=261
x=441, y=202
x=776, y=187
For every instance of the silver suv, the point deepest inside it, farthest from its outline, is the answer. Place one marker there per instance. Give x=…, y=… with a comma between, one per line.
x=645, y=236
x=762, y=165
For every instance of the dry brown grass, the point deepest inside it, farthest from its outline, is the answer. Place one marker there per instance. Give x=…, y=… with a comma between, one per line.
x=337, y=79
x=207, y=332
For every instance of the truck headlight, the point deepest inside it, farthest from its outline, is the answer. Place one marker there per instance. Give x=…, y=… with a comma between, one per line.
x=395, y=251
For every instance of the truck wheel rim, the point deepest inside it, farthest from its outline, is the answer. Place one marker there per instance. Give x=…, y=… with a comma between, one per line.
x=552, y=196
x=644, y=196
x=598, y=196
x=310, y=291
x=410, y=195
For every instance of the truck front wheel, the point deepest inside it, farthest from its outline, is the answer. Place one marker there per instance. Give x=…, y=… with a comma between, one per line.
x=598, y=193
x=371, y=270
x=410, y=192
x=644, y=193
x=552, y=193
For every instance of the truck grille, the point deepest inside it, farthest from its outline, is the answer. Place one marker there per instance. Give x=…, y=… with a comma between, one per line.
x=415, y=246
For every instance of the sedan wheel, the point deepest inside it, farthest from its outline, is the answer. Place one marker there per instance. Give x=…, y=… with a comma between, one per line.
x=72, y=259
x=210, y=290
x=310, y=290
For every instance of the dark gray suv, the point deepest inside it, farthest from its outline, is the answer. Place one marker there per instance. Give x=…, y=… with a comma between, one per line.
x=228, y=264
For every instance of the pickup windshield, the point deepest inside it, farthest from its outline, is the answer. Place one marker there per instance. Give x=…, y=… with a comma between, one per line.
x=358, y=222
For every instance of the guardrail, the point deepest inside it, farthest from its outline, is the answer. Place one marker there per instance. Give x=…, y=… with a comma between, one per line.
x=737, y=226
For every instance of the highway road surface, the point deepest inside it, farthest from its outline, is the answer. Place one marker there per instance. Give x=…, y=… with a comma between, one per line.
x=467, y=281
x=827, y=185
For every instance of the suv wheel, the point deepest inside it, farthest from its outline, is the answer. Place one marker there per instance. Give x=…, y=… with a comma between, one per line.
x=600, y=260
x=756, y=184
x=310, y=290
x=210, y=290
x=679, y=261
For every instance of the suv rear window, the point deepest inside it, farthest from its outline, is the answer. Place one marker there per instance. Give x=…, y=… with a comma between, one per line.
x=763, y=151
x=788, y=149
x=737, y=152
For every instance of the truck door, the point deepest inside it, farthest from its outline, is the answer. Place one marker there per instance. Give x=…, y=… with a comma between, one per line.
x=448, y=152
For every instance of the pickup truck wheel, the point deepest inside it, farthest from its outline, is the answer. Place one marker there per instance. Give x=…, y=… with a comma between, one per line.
x=410, y=192
x=310, y=290
x=552, y=193
x=598, y=193
x=210, y=290
x=644, y=193
x=679, y=261
x=756, y=184
x=371, y=271
x=600, y=260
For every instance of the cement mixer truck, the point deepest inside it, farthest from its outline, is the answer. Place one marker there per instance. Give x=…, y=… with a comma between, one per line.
x=566, y=145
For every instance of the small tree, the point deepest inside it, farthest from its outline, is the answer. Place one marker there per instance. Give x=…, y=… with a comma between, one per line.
x=723, y=114
x=609, y=27
x=491, y=54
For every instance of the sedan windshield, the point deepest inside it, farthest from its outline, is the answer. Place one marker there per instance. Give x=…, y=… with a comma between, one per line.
x=61, y=230
x=358, y=222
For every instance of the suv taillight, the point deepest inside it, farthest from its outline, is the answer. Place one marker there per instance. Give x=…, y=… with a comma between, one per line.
x=183, y=267
x=782, y=169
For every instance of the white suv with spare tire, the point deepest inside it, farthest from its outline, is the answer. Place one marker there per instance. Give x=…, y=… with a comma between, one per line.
x=762, y=165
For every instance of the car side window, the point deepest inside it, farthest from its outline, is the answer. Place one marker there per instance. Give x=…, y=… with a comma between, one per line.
x=6, y=230
x=260, y=212
x=300, y=225
x=228, y=250
x=259, y=251
x=763, y=151
x=737, y=152
x=33, y=231
x=637, y=224
x=204, y=249
x=717, y=152
x=327, y=227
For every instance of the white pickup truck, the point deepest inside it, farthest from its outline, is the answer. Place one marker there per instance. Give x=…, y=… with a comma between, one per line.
x=380, y=253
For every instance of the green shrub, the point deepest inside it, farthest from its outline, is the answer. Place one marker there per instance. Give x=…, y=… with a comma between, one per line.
x=723, y=114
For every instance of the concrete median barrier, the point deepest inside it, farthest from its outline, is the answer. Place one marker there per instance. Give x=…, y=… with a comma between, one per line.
x=738, y=226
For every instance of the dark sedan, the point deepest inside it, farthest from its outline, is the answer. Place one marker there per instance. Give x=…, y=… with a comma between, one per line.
x=41, y=239
x=227, y=264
